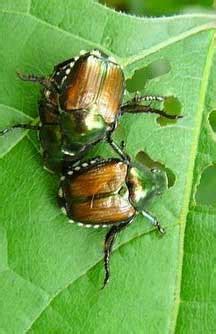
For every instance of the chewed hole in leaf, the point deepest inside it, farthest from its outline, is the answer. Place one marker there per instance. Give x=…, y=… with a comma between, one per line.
x=172, y=106
x=206, y=190
x=212, y=120
x=145, y=159
x=141, y=76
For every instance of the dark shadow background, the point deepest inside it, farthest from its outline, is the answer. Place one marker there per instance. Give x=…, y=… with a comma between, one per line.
x=158, y=7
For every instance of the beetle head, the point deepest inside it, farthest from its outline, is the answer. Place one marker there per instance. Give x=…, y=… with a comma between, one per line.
x=144, y=184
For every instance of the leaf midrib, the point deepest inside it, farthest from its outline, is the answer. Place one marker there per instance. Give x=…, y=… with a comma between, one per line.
x=189, y=181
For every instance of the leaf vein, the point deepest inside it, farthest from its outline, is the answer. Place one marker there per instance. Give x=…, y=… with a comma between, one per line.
x=189, y=181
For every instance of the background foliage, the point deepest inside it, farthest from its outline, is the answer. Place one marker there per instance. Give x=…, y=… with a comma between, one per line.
x=51, y=271
x=158, y=8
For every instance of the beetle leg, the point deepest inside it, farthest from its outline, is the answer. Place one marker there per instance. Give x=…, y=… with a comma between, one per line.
x=118, y=149
x=153, y=220
x=108, y=243
x=135, y=109
x=135, y=106
x=149, y=98
x=21, y=126
x=122, y=145
x=44, y=81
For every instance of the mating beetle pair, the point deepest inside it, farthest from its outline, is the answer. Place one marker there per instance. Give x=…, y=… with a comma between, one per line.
x=80, y=106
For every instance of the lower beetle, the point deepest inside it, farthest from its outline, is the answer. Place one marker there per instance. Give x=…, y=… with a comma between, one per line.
x=109, y=193
x=80, y=106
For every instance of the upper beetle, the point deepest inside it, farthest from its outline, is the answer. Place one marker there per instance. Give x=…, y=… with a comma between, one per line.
x=109, y=193
x=80, y=105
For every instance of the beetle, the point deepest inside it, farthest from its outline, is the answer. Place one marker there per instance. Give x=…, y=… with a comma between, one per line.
x=80, y=106
x=109, y=193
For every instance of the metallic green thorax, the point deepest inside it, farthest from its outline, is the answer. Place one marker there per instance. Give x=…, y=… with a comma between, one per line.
x=81, y=127
x=144, y=184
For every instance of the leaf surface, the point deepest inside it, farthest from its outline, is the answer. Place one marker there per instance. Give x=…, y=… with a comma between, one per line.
x=51, y=271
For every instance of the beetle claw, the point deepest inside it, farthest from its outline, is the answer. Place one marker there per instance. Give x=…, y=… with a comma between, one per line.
x=160, y=228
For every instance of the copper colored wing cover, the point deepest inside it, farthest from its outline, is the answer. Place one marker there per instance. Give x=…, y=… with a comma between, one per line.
x=106, y=210
x=94, y=83
x=97, y=180
x=93, y=195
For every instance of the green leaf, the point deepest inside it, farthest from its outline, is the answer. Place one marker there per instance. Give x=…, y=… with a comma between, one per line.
x=50, y=271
